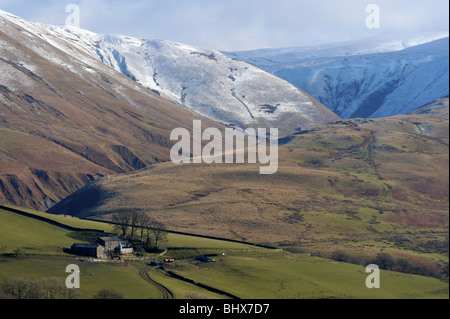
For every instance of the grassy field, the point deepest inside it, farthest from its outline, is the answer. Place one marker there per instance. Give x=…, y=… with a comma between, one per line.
x=31, y=236
x=54, y=233
x=67, y=220
x=242, y=270
x=183, y=290
x=94, y=276
x=288, y=276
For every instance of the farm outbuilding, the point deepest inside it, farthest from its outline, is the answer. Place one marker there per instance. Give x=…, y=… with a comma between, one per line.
x=95, y=251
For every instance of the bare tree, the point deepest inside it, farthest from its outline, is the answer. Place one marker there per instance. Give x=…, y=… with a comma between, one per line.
x=122, y=222
x=148, y=231
x=52, y=287
x=143, y=224
x=17, y=288
x=159, y=232
x=46, y=288
x=134, y=222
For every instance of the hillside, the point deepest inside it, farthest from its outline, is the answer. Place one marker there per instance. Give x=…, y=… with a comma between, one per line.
x=367, y=78
x=358, y=185
x=65, y=120
x=201, y=80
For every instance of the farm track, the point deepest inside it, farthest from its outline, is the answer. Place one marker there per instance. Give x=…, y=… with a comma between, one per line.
x=165, y=292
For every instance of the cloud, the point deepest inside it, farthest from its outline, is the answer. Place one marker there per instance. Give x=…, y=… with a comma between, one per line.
x=241, y=24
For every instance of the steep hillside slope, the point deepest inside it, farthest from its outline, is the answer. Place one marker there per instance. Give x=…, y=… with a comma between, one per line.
x=202, y=80
x=358, y=184
x=68, y=119
x=371, y=78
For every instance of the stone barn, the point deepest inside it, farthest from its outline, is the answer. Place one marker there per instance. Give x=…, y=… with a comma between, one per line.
x=95, y=251
x=115, y=244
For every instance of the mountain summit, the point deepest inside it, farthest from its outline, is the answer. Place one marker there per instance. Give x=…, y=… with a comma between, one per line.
x=201, y=80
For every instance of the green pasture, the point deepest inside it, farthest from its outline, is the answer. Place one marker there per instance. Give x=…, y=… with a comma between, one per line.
x=33, y=249
x=302, y=277
x=24, y=235
x=95, y=276
x=28, y=227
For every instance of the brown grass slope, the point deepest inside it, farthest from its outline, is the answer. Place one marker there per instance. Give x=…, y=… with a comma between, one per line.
x=359, y=185
x=66, y=121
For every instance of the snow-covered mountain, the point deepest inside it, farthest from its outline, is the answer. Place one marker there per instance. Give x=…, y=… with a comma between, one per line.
x=201, y=80
x=66, y=120
x=371, y=78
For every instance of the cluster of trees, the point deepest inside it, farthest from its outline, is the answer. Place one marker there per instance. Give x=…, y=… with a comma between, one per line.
x=387, y=262
x=46, y=288
x=138, y=225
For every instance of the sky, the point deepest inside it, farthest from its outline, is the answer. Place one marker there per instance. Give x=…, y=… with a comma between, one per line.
x=234, y=25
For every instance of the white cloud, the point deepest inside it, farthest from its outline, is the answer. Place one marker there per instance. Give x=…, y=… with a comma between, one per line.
x=241, y=24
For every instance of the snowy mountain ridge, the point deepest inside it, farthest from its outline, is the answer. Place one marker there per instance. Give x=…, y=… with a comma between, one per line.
x=377, y=77
x=202, y=80
x=378, y=44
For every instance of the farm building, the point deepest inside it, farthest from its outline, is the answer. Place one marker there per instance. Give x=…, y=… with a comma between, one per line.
x=105, y=246
x=86, y=250
x=115, y=244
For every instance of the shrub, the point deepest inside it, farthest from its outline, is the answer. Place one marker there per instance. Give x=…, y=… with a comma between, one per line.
x=403, y=265
x=340, y=255
x=109, y=294
x=384, y=261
